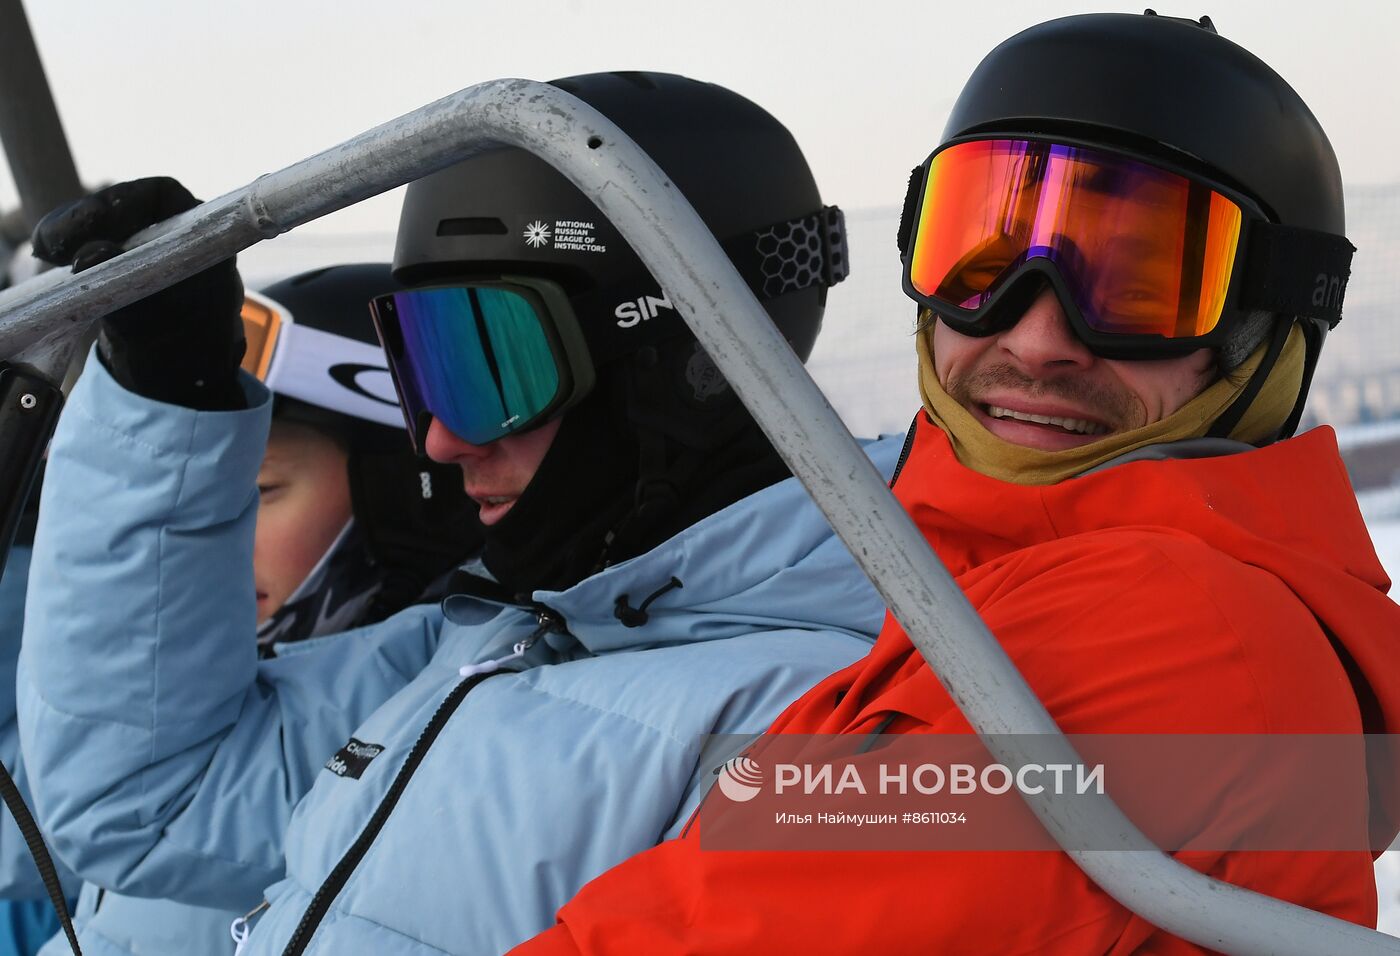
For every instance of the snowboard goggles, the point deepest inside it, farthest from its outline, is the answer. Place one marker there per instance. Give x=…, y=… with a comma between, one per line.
x=495, y=357
x=487, y=359
x=312, y=365
x=1147, y=261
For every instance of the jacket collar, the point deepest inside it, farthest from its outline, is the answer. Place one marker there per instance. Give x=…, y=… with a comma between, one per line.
x=1239, y=503
x=768, y=561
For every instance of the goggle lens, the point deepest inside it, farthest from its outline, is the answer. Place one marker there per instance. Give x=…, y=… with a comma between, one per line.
x=262, y=324
x=1143, y=251
x=478, y=358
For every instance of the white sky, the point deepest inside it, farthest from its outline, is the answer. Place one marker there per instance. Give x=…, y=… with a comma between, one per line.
x=216, y=94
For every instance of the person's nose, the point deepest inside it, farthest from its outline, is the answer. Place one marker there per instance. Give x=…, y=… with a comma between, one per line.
x=1043, y=341
x=442, y=445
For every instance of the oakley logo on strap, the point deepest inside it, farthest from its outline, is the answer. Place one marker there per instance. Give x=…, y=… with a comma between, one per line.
x=347, y=374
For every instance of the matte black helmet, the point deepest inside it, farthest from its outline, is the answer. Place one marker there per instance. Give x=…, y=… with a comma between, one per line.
x=328, y=371
x=1167, y=89
x=666, y=440
x=506, y=211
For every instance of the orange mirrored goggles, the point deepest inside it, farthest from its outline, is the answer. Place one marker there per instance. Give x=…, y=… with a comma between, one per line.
x=1146, y=261
x=262, y=324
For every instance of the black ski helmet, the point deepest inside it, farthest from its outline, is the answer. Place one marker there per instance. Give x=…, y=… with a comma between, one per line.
x=1168, y=89
x=417, y=520
x=507, y=211
x=668, y=440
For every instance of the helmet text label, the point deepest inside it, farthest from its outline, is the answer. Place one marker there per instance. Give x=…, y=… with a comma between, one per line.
x=633, y=312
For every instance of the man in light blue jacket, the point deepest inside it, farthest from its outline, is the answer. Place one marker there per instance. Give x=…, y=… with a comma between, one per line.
x=443, y=781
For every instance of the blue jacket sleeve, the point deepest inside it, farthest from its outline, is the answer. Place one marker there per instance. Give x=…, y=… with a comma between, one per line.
x=19, y=877
x=165, y=759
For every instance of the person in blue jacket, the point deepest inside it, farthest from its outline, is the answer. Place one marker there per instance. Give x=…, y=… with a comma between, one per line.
x=351, y=526
x=649, y=585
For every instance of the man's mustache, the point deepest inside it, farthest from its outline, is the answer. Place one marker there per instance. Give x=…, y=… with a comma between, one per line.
x=1112, y=407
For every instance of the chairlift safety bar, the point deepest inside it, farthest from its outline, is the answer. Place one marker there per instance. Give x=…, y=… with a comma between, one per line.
x=39, y=317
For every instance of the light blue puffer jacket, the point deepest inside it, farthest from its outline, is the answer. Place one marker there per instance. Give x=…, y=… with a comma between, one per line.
x=26, y=915
x=169, y=762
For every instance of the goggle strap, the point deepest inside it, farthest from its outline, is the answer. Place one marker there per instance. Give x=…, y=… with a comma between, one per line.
x=793, y=255
x=623, y=317
x=911, y=204
x=1225, y=424
x=1294, y=271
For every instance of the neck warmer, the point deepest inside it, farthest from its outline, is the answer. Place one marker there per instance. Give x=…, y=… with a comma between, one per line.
x=580, y=512
x=982, y=451
x=553, y=535
x=333, y=597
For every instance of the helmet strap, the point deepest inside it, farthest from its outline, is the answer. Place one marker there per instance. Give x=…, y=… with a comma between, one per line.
x=694, y=458
x=655, y=497
x=1312, y=335
x=1225, y=424
x=657, y=491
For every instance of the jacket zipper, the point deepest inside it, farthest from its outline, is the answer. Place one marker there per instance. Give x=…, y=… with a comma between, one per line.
x=321, y=903
x=904, y=452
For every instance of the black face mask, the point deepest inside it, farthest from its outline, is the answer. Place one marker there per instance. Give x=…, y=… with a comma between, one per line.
x=584, y=510
x=554, y=535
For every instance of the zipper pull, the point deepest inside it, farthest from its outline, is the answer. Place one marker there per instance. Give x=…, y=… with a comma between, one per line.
x=548, y=621
x=242, y=928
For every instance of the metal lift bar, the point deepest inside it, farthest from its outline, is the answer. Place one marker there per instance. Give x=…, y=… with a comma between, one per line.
x=686, y=259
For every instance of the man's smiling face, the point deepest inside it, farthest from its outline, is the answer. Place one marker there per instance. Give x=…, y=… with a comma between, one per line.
x=1037, y=385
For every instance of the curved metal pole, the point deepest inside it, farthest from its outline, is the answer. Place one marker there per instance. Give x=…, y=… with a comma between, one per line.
x=30, y=130
x=686, y=259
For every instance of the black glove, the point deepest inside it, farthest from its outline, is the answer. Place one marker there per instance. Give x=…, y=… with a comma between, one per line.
x=181, y=345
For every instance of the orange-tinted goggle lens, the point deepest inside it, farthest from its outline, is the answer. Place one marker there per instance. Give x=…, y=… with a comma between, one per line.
x=1143, y=251
x=261, y=325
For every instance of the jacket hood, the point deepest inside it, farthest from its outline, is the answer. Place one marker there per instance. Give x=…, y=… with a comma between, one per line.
x=1287, y=509
x=780, y=566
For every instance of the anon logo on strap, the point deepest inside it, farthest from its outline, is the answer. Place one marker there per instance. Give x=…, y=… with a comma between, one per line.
x=1328, y=290
x=348, y=373
x=352, y=759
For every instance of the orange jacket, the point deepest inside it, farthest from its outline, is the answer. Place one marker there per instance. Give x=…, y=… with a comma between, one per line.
x=1152, y=597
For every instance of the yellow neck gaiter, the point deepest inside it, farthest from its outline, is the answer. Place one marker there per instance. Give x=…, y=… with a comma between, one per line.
x=983, y=452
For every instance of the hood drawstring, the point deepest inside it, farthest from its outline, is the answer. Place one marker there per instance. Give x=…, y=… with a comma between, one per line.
x=242, y=927
x=637, y=616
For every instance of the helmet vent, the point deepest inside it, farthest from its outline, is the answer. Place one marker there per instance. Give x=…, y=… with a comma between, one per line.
x=479, y=226
x=1205, y=23
x=636, y=78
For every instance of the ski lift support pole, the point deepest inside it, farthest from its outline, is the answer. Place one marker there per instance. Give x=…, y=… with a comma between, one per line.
x=681, y=253
x=35, y=147
x=44, y=175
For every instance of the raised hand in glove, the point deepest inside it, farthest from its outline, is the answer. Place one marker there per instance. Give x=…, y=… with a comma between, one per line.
x=181, y=345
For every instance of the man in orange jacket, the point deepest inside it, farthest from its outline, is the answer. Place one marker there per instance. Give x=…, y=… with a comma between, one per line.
x=1127, y=252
